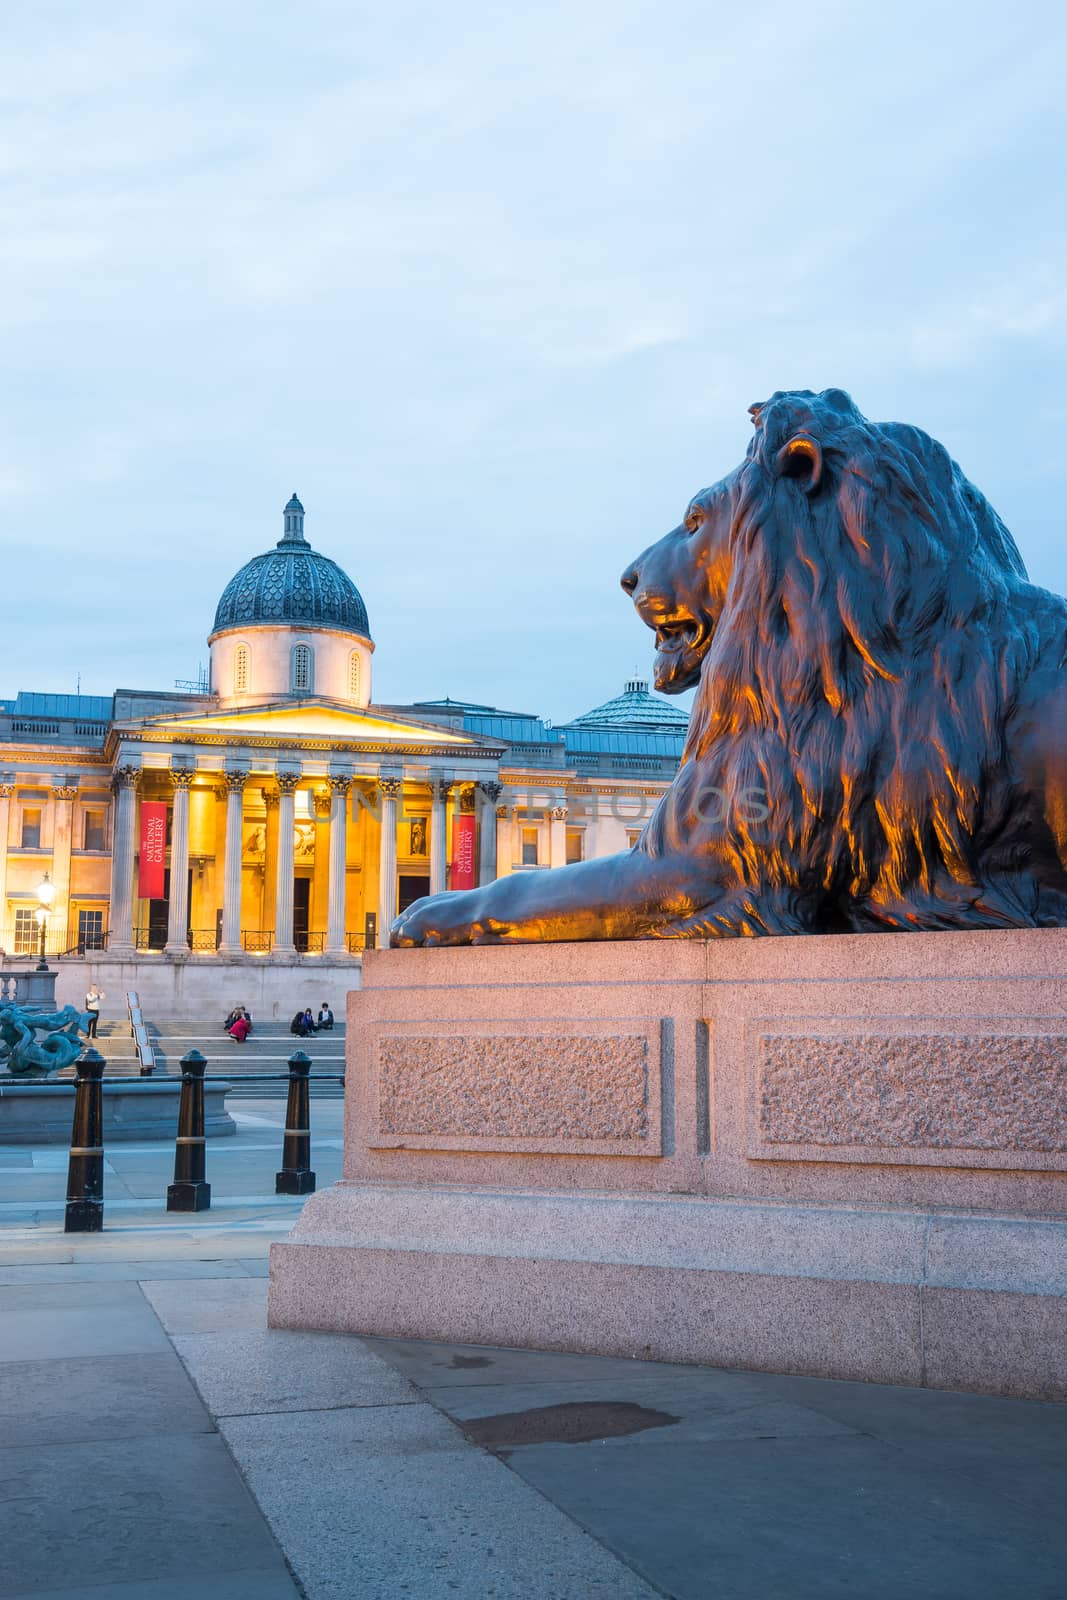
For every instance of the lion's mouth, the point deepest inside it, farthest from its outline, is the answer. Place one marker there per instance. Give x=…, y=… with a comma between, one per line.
x=681, y=644
x=682, y=633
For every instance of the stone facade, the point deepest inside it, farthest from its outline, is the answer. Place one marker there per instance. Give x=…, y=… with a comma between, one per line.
x=300, y=814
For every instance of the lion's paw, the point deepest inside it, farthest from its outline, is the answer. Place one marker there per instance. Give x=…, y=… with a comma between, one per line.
x=439, y=919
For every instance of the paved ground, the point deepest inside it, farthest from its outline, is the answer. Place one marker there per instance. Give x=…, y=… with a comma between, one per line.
x=157, y=1441
x=33, y=1182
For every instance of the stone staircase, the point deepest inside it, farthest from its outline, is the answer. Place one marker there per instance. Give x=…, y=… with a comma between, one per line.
x=115, y=1043
x=267, y=1049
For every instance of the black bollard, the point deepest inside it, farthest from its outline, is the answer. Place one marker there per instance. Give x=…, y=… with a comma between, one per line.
x=189, y=1192
x=85, y=1172
x=296, y=1176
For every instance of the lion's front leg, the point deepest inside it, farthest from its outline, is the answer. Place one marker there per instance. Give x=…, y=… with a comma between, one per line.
x=630, y=896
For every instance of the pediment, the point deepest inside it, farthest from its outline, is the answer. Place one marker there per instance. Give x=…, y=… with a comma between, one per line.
x=309, y=722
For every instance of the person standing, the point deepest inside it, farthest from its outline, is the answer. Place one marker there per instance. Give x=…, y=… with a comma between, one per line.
x=92, y=1006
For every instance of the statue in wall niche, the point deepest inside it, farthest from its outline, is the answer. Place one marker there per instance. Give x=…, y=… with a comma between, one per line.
x=879, y=735
x=24, y=1055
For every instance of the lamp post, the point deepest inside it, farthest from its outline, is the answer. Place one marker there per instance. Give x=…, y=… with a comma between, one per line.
x=46, y=893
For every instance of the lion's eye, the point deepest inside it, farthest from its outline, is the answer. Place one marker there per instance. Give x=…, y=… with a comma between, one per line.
x=693, y=521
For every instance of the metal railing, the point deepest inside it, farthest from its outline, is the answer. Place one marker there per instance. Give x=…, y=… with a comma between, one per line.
x=146, y=1056
x=190, y=1190
x=59, y=940
x=73, y=943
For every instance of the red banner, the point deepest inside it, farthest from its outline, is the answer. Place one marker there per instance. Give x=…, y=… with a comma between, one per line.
x=462, y=852
x=153, y=849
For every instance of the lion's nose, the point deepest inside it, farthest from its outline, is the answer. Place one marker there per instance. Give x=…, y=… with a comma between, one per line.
x=630, y=579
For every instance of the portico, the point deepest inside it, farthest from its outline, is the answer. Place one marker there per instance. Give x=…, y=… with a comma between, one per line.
x=291, y=830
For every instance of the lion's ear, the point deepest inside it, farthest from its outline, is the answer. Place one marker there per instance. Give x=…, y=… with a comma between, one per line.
x=802, y=458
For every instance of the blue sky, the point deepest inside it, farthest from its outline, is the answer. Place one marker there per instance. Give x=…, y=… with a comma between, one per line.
x=492, y=287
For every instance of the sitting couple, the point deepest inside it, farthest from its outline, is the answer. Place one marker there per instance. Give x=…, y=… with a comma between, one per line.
x=239, y=1023
x=304, y=1023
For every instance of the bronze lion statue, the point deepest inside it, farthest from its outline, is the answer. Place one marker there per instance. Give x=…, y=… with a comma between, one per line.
x=871, y=659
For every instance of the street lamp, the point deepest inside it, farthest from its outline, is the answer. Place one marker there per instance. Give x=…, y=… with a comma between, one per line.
x=46, y=893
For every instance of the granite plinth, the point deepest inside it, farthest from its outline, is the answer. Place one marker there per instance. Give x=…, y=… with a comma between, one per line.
x=842, y=1156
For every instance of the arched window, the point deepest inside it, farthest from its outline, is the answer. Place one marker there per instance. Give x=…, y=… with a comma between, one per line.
x=240, y=669
x=302, y=669
x=353, y=675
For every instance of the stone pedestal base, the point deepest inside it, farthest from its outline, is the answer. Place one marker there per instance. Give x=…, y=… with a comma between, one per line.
x=845, y=1157
x=947, y=1301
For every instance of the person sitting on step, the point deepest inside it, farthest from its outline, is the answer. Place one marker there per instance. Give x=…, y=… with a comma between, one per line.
x=240, y=1028
x=325, y=1018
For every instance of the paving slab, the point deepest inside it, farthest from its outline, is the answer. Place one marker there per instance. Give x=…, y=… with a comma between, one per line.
x=126, y=1511
x=236, y=1586
x=25, y=1188
x=799, y=1519
x=1017, y=1448
x=260, y=1372
x=413, y=1509
x=217, y=1305
x=45, y=1320
x=258, y=1267
x=60, y=1271
x=716, y=1406
x=433, y=1365
x=96, y=1397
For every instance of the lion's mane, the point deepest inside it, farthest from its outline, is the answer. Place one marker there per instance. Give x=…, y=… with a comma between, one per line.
x=872, y=648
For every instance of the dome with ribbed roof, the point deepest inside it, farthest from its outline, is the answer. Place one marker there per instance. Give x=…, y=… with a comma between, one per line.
x=292, y=585
x=635, y=709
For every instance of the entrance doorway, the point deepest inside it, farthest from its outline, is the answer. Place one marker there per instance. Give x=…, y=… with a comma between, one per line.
x=159, y=913
x=301, y=913
x=412, y=886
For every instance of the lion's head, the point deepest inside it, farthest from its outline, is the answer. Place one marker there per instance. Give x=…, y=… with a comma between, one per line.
x=859, y=623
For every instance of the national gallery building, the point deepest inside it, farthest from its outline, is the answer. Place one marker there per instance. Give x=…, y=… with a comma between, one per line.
x=279, y=819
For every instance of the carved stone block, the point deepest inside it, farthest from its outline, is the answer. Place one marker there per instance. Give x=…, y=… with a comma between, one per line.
x=538, y=1091
x=971, y=1098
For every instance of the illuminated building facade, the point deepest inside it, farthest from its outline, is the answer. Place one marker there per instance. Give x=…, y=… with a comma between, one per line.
x=296, y=814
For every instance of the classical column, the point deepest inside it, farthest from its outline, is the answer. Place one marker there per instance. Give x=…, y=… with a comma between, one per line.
x=178, y=910
x=6, y=791
x=335, y=918
x=120, y=918
x=557, y=836
x=63, y=797
x=283, y=894
x=389, y=790
x=202, y=805
x=439, y=791
x=505, y=857
x=319, y=903
x=231, y=884
x=491, y=793
x=270, y=863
